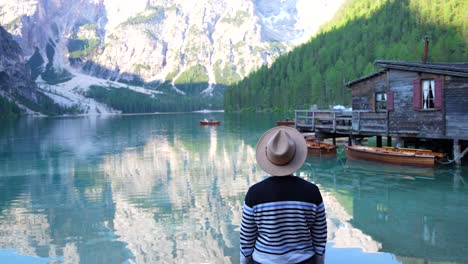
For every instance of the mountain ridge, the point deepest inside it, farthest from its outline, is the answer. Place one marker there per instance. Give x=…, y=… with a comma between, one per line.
x=165, y=45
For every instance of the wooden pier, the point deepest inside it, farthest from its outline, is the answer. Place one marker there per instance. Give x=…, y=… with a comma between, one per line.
x=356, y=125
x=326, y=121
x=335, y=124
x=345, y=123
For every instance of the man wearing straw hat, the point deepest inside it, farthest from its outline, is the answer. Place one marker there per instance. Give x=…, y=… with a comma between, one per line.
x=283, y=217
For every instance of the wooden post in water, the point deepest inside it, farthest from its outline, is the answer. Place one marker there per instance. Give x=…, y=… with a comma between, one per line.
x=379, y=141
x=456, y=152
x=457, y=179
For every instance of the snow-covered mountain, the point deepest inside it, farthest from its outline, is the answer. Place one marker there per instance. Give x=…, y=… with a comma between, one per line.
x=161, y=43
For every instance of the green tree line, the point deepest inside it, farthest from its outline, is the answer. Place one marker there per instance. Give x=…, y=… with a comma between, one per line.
x=8, y=109
x=345, y=48
x=43, y=104
x=129, y=101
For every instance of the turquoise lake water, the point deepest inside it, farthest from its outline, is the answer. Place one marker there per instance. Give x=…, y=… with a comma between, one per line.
x=163, y=189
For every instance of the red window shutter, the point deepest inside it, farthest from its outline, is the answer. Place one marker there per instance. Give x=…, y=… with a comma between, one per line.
x=439, y=93
x=417, y=95
x=390, y=104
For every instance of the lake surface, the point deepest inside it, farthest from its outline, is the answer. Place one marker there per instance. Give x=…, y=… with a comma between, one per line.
x=163, y=189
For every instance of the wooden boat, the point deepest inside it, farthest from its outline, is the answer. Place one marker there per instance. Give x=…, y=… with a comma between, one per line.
x=372, y=169
x=285, y=122
x=209, y=122
x=398, y=156
x=320, y=148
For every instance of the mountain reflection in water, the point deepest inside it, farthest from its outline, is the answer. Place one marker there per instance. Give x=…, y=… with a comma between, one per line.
x=416, y=214
x=162, y=189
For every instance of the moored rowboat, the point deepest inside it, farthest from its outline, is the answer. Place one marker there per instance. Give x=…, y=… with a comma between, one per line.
x=320, y=148
x=209, y=122
x=398, y=156
x=286, y=122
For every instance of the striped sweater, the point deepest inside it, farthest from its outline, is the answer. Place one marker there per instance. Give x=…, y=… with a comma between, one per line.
x=283, y=221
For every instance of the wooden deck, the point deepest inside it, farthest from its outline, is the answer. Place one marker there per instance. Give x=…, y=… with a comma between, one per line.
x=367, y=123
x=329, y=121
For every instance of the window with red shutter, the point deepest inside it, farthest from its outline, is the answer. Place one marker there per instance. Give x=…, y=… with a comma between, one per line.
x=428, y=94
x=417, y=94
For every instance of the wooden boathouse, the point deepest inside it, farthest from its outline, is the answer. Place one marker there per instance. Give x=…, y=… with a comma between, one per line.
x=418, y=104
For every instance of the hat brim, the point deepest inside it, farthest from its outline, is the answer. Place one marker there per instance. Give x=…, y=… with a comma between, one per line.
x=297, y=161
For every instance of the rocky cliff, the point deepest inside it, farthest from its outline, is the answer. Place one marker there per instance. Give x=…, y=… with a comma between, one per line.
x=15, y=77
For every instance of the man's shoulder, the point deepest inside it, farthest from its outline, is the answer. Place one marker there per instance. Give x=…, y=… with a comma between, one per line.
x=283, y=188
x=306, y=183
x=261, y=184
x=271, y=179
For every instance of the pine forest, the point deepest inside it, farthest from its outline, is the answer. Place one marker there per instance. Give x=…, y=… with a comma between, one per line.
x=345, y=48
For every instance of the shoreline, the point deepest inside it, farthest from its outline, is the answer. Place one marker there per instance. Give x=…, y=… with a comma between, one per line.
x=116, y=114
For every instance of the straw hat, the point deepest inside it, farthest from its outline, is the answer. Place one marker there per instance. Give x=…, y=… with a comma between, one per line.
x=281, y=151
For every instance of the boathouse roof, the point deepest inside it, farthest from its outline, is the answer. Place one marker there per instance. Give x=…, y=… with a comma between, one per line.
x=454, y=69
x=365, y=78
x=459, y=69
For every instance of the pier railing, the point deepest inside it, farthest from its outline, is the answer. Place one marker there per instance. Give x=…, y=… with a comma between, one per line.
x=342, y=122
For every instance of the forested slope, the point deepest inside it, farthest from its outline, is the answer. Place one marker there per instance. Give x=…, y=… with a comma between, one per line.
x=363, y=31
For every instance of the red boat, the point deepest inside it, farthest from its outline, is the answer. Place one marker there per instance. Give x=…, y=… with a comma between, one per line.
x=320, y=148
x=209, y=122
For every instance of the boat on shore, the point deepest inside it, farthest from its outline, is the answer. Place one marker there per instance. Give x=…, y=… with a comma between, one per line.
x=209, y=122
x=320, y=148
x=397, y=156
x=286, y=122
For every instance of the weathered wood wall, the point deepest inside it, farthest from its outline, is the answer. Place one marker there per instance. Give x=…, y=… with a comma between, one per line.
x=404, y=119
x=370, y=122
x=456, y=107
x=363, y=93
